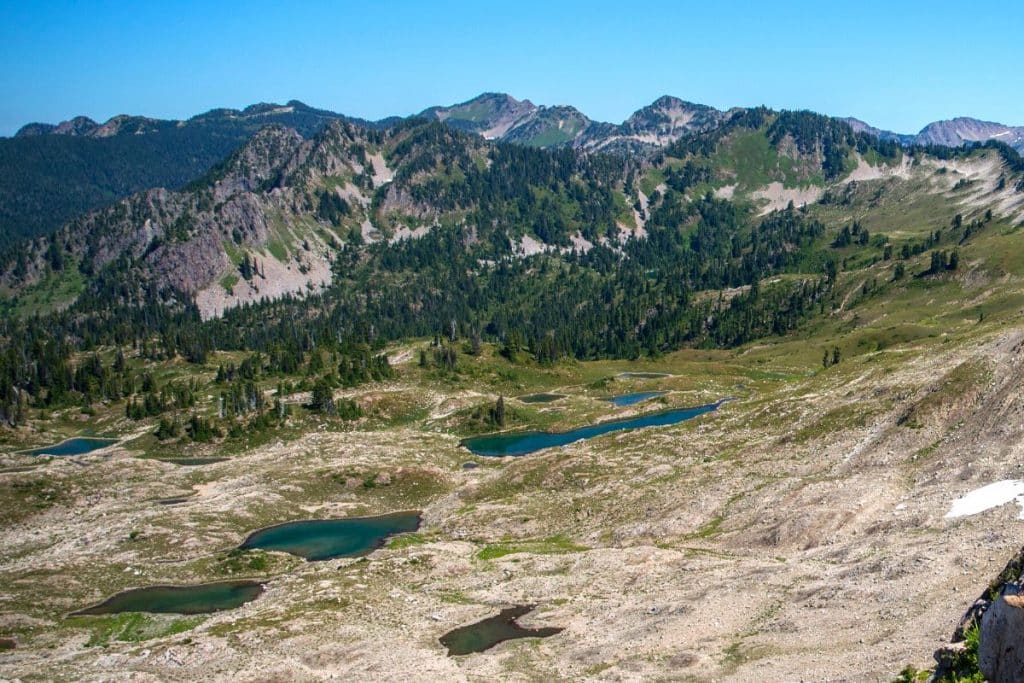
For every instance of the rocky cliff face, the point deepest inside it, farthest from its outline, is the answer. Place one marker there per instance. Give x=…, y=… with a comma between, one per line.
x=189, y=239
x=1001, y=640
x=281, y=204
x=997, y=617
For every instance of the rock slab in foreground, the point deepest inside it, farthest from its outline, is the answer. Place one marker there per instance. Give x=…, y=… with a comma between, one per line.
x=1001, y=645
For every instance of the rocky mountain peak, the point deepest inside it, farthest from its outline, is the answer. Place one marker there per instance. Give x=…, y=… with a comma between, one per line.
x=258, y=161
x=30, y=130
x=490, y=114
x=80, y=125
x=669, y=117
x=957, y=131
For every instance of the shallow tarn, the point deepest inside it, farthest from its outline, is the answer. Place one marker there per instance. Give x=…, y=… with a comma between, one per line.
x=192, y=462
x=524, y=443
x=491, y=631
x=79, y=445
x=199, y=599
x=175, y=500
x=540, y=398
x=326, y=539
x=633, y=399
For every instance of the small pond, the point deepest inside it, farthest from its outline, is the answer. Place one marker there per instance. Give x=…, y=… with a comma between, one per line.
x=523, y=443
x=199, y=599
x=633, y=399
x=16, y=470
x=488, y=632
x=79, y=445
x=192, y=462
x=643, y=375
x=541, y=398
x=326, y=539
x=177, y=500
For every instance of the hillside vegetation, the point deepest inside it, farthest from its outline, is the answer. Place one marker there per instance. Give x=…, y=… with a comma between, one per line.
x=332, y=312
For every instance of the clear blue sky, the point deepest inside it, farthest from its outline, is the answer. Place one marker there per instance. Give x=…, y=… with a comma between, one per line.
x=897, y=64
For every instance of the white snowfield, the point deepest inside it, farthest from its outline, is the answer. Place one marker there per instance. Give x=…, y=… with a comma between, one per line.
x=988, y=497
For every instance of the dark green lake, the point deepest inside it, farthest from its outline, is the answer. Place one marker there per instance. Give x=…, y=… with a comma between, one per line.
x=523, y=443
x=173, y=501
x=200, y=599
x=487, y=633
x=79, y=445
x=15, y=470
x=633, y=399
x=540, y=398
x=191, y=462
x=326, y=539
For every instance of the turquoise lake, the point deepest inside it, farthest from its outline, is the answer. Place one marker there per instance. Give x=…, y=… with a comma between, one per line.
x=79, y=445
x=199, y=599
x=326, y=539
x=633, y=399
x=524, y=443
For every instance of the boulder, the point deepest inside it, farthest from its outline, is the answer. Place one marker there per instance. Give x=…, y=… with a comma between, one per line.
x=1001, y=642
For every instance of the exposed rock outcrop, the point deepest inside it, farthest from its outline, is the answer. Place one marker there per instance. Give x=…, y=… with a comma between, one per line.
x=998, y=613
x=1001, y=645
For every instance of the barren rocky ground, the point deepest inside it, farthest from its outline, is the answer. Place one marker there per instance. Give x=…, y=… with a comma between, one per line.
x=798, y=533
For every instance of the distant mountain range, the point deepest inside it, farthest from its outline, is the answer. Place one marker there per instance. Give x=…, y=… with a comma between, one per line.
x=498, y=116
x=306, y=192
x=951, y=133
x=303, y=118
x=50, y=173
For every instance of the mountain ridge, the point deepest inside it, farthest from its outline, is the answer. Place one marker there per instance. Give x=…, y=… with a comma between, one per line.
x=351, y=185
x=500, y=116
x=145, y=154
x=953, y=132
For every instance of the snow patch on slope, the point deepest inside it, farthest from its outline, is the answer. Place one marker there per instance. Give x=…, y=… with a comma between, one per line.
x=988, y=497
